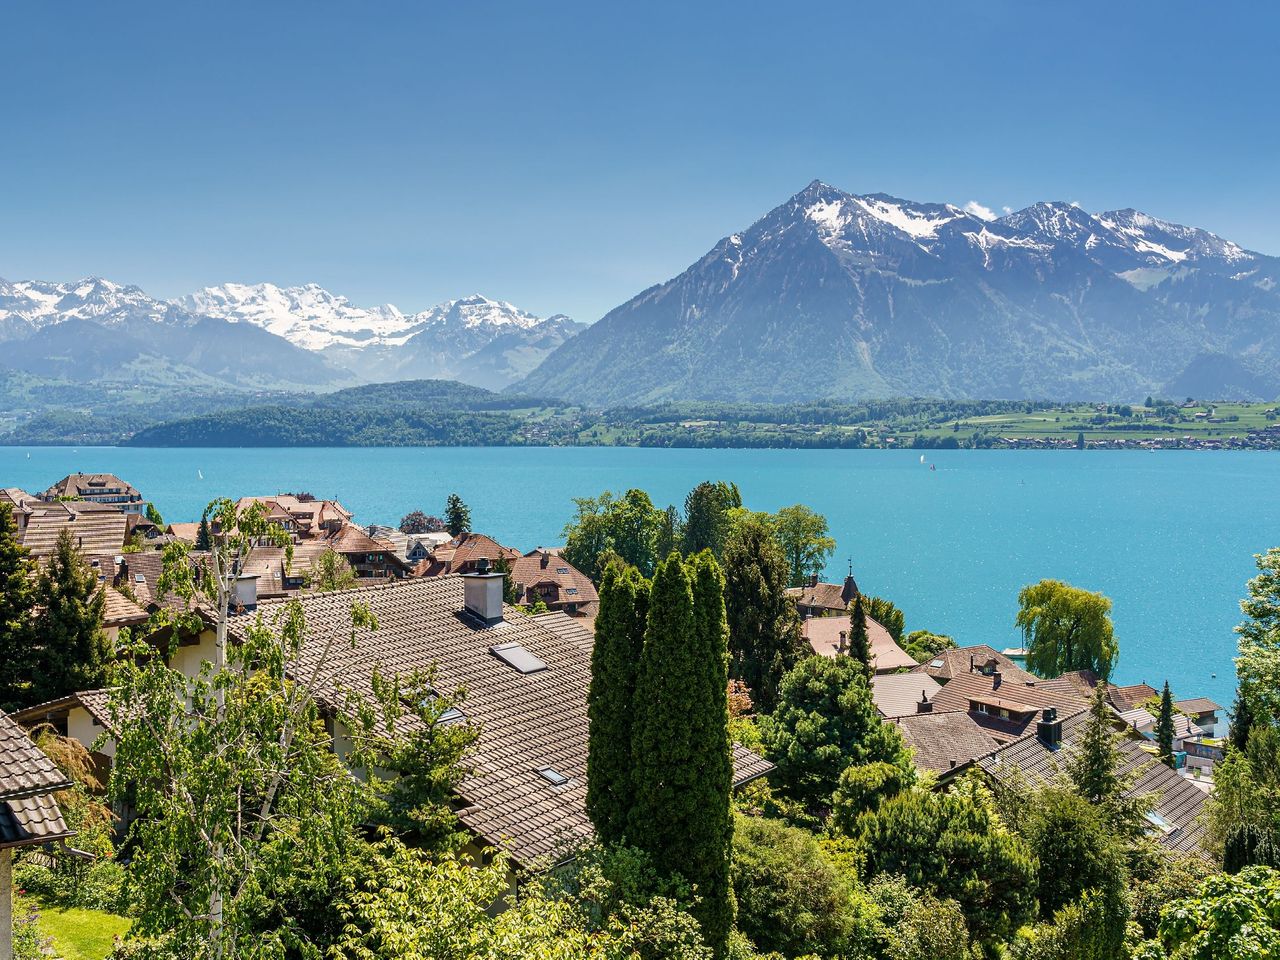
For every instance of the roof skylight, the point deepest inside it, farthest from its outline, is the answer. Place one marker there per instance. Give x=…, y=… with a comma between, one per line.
x=553, y=776
x=517, y=657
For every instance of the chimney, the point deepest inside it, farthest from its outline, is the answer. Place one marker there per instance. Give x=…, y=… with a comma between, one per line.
x=924, y=706
x=971, y=662
x=995, y=679
x=546, y=558
x=247, y=590
x=482, y=593
x=813, y=580
x=1049, y=728
x=840, y=648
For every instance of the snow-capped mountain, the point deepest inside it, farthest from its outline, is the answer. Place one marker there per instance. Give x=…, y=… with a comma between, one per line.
x=487, y=343
x=844, y=296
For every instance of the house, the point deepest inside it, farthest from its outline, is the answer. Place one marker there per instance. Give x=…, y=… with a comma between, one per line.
x=1042, y=753
x=104, y=488
x=541, y=576
x=829, y=637
x=95, y=529
x=818, y=599
x=369, y=558
x=903, y=694
x=21, y=503
x=412, y=548
x=463, y=554
x=29, y=815
x=940, y=742
x=301, y=517
x=979, y=657
x=1203, y=711
x=526, y=680
x=1006, y=707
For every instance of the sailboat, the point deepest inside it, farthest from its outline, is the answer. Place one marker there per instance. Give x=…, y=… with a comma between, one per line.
x=199, y=475
x=922, y=458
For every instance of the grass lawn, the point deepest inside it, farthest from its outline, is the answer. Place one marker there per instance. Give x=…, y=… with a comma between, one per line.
x=81, y=934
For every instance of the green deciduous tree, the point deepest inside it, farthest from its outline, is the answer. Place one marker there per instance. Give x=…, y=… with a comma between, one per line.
x=1164, y=727
x=707, y=516
x=331, y=571
x=887, y=614
x=859, y=639
x=457, y=516
x=1066, y=628
x=615, y=658
x=17, y=597
x=71, y=651
x=628, y=526
x=1232, y=918
x=1258, y=665
x=805, y=539
x=154, y=515
x=923, y=645
x=1242, y=815
x=824, y=722
x=764, y=630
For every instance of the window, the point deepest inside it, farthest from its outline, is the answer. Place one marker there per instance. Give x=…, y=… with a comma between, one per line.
x=1160, y=823
x=517, y=657
x=571, y=591
x=553, y=776
x=936, y=664
x=977, y=707
x=562, y=571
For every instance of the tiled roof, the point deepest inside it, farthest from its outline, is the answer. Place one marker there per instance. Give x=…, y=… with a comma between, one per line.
x=93, y=701
x=528, y=721
x=89, y=485
x=826, y=596
x=1021, y=700
x=898, y=694
x=943, y=741
x=1197, y=705
x=24, y=769
x=1178, y=803
x=17, y=498
x=120, y=611
x=185, y=531
x=573, y=629
x=30, y=820
x=93, y=532
x=1126, y=698
x=956, y=660
x=823, y=636
x=471, y=547
x=1142, y=720
x=542, y=567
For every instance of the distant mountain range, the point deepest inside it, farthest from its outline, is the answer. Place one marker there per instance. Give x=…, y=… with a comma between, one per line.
x=832, y=295
x=262, y=336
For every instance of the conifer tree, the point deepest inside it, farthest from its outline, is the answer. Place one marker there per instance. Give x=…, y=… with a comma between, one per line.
x=204, y=537
x=1164, y=727
x=16, y=601
x=1093, y=765
x=73, y=651
x=1241, y=721
x=764, y=631
x=615, y=658
x=859, y=641
x=680, y=741
x=457, y=516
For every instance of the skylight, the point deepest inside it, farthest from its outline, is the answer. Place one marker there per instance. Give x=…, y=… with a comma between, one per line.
x=517, y=657
x=562, y=570
x=936, y=664
x=553, y=776
x=1159, y=822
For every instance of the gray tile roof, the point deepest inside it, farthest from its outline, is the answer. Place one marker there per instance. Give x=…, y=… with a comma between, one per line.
x=527, y=721
x=30, y=820
x=956, y=661
x=28, y=814
x=943, y=741
x=898, y=694
x=574, y=629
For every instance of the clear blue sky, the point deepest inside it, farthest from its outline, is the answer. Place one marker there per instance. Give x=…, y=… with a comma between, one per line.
x=565, y=156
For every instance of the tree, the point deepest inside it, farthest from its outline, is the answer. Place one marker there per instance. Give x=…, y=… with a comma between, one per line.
x=923, y=645
x=1164, y=727
x=859, y=641
x=17, y=599
x=1093, y=769
x=415, y=522
x=1065, y=628
x=153, y=515
x=331, y=571
x=670, y=532
x=862, y=789
x=707, y=516
x=1232, y=918
x=886, y=613
x=204, y=536
x=764, y=630
x=510, y=589
x=72, y=651
x=615, y=657
x=805, y=540
x=824, y=722
x=916, y=925
x=1080, y=441
x=1241, y=721
x=682, y=772
x=1258, y=665
x=457, y=516
x=628, y=526
x=1242, y=815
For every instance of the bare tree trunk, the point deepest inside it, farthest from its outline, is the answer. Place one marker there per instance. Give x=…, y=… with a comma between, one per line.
x=6, y=904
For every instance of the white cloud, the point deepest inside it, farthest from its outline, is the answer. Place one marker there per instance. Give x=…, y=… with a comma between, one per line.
x=1007, y=210
x=978, y=210
x=1076, y=204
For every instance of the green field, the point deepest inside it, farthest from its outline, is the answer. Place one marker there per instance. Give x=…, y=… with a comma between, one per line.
x=81, y=934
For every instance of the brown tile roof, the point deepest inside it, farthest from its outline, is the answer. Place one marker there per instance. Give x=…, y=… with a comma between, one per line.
x=471, y=547
x=18, y=499
x=1022, y=700
x=827, y=596
x=1197, y=705
x=30, y=820
x=527, y=721
x=898, y=694
x=120, y=611
x=823, y=636
x=90, y=485
x=573, y=629
x=947, y=664
x=541, y=568
x=94, y=703
x=943, y=741
x=1178, y=803
x=1134, y=695
x=185, y=531
x=96, y=532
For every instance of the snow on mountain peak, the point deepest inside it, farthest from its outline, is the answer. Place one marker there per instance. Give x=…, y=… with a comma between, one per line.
x=911, y=219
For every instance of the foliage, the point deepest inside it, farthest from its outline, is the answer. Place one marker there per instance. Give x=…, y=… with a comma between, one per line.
x=1084, y=929
x=955, y=846
x=17, y=598
x=1232, y=918
x=331, y=571
x=71, y=651
x=825, y=721
x=862, y=788
x=764, y=630
x=805, y=539
x=416, y=522
x=1164, y=727
x=791, y=897
x=1242, y=815
x=457, y=516
x=510, y=589
x=1065, y=628
x=682, y=771
x=615, y=657
x=28, y=942
x=1093, y=769
x=1241, y=721
x=1073, y=846
x=204, y=535
x=153, y=515
x=916, y=925
x=859, y=641
x=886, y=613
x=1258, y=665
x=707, y=512
x=1176, y=876
x=628, y=526
x=923, y=646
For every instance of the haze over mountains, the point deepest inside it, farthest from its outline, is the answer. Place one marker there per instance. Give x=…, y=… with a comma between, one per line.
x=832, y=295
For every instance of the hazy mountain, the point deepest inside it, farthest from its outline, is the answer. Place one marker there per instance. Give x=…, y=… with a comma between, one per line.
x=843, y=296
x=475, y=340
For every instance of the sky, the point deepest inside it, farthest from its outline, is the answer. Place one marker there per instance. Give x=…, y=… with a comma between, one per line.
x=566, y=156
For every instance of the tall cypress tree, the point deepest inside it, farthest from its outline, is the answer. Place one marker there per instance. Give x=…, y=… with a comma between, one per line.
x=16, y=601
x=615, y=658
x=859, y=641
x=680, y=741
x=1164, y=727
x=1241, y=721
x=73, y=650
x=764, y=631
x=204, y=537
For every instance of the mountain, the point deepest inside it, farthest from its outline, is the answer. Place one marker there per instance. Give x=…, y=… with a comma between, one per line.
x=475, y=340
x=832, y=295
x=94, y=330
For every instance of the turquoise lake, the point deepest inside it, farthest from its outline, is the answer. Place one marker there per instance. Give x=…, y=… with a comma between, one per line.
x=1169, y=536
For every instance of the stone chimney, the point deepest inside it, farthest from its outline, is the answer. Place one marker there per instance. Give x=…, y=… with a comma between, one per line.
x=813, y=580
x=842, y=645
x=1049, y=728
x=995, y=680
x=924, y=706
x=482, y=593
x=246, y=590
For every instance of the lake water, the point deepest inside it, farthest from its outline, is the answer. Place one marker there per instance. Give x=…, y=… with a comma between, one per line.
x=1169, y=536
